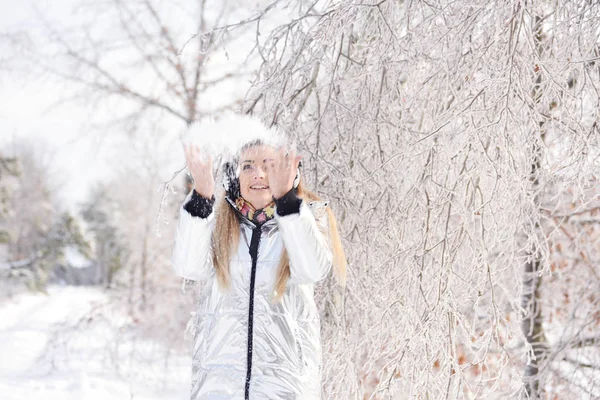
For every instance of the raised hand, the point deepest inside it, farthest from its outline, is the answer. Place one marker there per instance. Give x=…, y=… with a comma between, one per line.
x=201, y=170
x=282, y=171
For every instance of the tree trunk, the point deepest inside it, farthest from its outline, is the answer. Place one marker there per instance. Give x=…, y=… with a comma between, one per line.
x=533, y=329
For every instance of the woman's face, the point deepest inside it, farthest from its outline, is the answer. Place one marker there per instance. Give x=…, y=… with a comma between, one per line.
x=254, y=182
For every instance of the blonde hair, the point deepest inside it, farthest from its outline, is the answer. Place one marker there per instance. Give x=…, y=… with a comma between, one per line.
x=226, y=239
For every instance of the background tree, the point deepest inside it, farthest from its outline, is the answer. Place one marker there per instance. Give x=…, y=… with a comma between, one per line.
x=36, y=230
x=101, y=215
x=144, y=217
x=8, y=180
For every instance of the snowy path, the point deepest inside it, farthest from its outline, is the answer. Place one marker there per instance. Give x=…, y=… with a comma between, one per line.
x=33, y=364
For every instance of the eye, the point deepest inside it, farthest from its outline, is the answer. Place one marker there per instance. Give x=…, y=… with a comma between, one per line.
x=246, y=167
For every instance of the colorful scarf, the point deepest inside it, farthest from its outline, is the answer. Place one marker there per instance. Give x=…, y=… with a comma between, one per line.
x=252, y=214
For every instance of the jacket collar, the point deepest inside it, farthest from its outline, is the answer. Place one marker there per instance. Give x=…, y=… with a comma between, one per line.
x=245, y=211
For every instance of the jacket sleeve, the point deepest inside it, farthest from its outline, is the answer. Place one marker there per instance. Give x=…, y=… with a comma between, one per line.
x=308, y=246
x=192, y=258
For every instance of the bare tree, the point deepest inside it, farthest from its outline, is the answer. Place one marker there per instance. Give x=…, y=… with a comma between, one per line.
x=451, y=138
x=138, y=59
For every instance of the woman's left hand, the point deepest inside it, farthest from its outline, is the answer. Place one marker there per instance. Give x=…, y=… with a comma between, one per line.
x=282, y=172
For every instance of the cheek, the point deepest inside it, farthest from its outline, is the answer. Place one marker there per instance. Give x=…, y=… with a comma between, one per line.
x=243, y=180
x=243, y=185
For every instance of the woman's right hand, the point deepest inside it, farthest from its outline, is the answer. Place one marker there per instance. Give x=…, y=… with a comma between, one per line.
x=201, y=171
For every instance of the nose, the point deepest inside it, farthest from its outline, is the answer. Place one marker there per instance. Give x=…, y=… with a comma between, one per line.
x=259, y=172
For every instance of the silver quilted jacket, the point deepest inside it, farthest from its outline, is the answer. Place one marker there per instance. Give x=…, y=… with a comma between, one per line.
x=246, y=346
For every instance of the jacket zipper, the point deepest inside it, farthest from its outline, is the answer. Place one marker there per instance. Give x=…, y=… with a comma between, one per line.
x=254, y=242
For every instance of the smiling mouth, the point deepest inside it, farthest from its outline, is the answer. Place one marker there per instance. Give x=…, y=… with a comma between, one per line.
x=259, y=187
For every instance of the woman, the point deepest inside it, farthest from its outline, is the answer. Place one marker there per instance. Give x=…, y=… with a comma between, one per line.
x=260, y=251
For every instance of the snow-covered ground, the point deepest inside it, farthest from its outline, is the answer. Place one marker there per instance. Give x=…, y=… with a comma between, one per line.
x=55, y=347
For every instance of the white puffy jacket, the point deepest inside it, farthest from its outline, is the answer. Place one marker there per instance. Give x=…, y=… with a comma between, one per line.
x=246, y=346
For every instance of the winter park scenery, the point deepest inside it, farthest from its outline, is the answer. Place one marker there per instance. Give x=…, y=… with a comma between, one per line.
x=457, y=142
